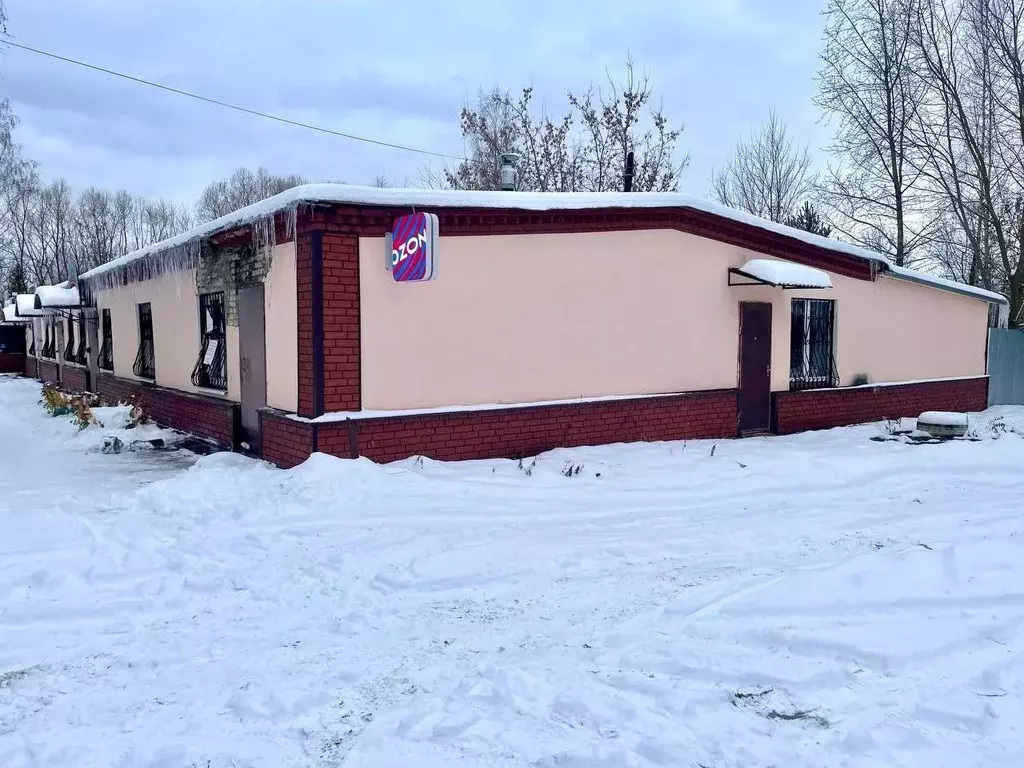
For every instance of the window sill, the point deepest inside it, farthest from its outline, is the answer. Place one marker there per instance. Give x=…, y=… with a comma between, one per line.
x=210, y=391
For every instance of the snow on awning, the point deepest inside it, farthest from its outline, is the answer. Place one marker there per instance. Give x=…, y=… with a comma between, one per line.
x=54, y=296
x=781, y=274
x=25, y=305
x=11, y=314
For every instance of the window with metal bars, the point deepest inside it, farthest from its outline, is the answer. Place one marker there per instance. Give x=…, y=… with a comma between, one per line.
x=812, y=362
x=81, y=349
x=210, y=371
x=49, y=349
x=106, y=356
x=145, y=359
x=74, y=347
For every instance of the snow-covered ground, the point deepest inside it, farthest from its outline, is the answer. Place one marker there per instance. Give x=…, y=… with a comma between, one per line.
x=817, y=600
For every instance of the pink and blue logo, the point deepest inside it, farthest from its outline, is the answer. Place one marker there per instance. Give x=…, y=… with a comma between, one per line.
x=414, y=248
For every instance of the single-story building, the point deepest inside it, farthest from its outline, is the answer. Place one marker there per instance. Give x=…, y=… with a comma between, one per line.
x=389, y=323
x=13, y=341
x=55, y=335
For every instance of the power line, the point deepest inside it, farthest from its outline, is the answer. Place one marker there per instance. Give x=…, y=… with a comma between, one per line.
x=216, y=102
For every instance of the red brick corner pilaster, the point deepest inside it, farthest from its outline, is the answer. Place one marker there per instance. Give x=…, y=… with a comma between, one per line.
x=327, y=277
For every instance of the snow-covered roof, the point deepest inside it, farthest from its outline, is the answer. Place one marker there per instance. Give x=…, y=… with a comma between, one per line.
x=62, y=295
x=25, y=305
x=424, y=198
x=313, y=194
x=11, y=314
x=913, y=276
x=786, y=274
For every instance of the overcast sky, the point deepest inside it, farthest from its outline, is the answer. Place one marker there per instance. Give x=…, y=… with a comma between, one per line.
x=398, y=71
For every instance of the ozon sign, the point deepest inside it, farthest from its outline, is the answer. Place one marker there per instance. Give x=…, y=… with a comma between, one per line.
x=412, y=248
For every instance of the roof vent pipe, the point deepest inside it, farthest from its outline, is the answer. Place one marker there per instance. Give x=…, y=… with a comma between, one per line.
x=627, y=181
x=508, y=171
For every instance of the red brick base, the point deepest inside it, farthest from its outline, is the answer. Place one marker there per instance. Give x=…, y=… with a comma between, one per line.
x=284, y=441
x=505, y=432
x=825, y=408
x=206, y=417
x=74, y=378
x=12, y=363
x=49, y=372
x=31, y=366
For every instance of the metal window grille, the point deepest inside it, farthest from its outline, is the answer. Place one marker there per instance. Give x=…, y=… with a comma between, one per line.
x=812, y=363
x=69, y=346
x=50, y=344
x=145, y=359
x=81, y=350
x=210, y=371
x=106, y=356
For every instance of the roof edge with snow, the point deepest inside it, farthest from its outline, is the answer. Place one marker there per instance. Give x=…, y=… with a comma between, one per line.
x=182, y=251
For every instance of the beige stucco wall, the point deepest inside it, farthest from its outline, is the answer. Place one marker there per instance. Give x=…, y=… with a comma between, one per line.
x=282, y=330
x=541, y=317
x=175, y=307
x=890, y=330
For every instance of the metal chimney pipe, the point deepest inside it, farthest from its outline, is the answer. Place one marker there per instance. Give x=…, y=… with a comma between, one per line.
x=508, y=171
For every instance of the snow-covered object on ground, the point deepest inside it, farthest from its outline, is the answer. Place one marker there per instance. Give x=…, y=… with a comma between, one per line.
x=997, y=421
x=786, y=274
x=115, y=422
x=53, y=296
x=943, y=418
x=25, y=304
x=814, y=600
x=182, y=251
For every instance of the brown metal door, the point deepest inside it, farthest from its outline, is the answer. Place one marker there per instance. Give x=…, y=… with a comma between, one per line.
x=755, y=367
x=252, y=351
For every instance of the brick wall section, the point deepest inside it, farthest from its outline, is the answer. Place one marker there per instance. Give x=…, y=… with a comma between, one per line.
x=49, y=372
x=304, y=306
x=283, y=441
x=31, y=367
x=206, y=417
x=73, y=378
x=341, y=323
x=12, y=363
x=822, y=409
x=510, y=432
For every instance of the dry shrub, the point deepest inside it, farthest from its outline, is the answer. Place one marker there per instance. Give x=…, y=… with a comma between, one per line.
x=137, y=415
x=58, y=403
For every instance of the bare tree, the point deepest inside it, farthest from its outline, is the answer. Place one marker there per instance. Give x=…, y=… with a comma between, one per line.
x=583, y=149
x=867, y=84
x=242, y=188
x=767, y=175
x=971, y=136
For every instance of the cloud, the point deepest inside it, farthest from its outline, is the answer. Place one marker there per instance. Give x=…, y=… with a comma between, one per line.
x=399, y=72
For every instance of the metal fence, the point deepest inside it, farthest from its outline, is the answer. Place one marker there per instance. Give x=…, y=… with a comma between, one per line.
x=1006, y=366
